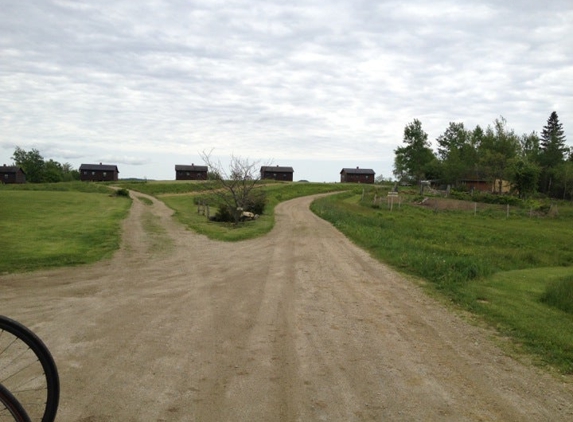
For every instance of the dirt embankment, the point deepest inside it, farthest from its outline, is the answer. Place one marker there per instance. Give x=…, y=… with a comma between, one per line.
x=299, y=325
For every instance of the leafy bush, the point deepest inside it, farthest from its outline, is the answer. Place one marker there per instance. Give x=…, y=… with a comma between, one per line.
x=487, y=198
x=122, y=192
x=224, y=214
x=256, y=202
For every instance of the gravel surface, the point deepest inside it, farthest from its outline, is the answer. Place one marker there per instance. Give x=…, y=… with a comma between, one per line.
x=299, y=325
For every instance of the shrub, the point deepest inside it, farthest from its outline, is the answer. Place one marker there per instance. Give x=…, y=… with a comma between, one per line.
x=256, y=202
x=122, y=192
x=224, y=214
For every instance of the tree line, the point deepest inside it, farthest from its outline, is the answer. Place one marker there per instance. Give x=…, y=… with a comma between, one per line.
x=532, y=163
x=39, y=170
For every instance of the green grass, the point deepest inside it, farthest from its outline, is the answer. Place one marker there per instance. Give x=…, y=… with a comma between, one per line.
x=160, y=242
x=559, y=294
x=186, y=210
x=505, y=269
x=87, y=187
x=145, y=200
x=516, y=303
x=52, y=228
x=156, y=188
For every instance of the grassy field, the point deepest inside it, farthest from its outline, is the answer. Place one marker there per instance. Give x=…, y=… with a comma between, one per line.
x=515, y=272
x=156, y=188
x=61, y=224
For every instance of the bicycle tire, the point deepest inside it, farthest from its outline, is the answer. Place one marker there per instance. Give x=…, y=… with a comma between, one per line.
x=12, y=408
x=39, y=391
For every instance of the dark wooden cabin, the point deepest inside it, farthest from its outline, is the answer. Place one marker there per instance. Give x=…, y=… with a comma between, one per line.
x=12, y=174
x=192, y=172
x=98, y=173
x=277, y=173
x=357, y=175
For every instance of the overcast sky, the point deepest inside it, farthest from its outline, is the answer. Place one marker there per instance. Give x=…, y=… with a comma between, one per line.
x=314, y=84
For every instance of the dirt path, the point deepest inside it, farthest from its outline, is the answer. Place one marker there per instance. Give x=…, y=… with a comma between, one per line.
x=299, y=325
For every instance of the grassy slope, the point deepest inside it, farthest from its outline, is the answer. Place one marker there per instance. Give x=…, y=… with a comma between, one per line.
x=496, y=267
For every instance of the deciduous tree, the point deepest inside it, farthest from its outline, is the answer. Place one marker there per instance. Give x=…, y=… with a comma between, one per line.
x=39, y=170
x=498, y=147
x=415, y=158
x=235, y=185
x=32, y=163
x=457, y=153
x=524, y=176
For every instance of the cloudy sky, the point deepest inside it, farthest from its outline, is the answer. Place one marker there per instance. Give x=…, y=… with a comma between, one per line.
x=314, y=84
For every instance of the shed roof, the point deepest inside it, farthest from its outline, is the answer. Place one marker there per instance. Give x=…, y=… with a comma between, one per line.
x=99, y=167
x=357, y=171
x=192, y=167
x=11, y=169
x=278, y=169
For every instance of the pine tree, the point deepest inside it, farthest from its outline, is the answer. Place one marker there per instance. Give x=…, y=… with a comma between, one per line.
x=552, y=142
x=552, y=151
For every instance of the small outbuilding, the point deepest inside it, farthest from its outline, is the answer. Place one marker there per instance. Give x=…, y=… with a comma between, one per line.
x=12, y=174
x=357, y=175
x=98, y=173
x=192, y=172
x=484, y=185
x=277, y=173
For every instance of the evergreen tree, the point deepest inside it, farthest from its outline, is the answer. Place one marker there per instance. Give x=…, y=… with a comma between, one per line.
x=552, y=142
x=552, y=151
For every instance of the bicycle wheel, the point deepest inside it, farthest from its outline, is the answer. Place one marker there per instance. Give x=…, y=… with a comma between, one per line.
x=28, y=371
x=10, y=408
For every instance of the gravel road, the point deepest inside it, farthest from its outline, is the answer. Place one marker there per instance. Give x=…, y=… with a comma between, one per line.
x=299, y=325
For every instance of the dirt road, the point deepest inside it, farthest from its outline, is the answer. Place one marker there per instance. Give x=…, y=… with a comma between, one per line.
x=299, y=325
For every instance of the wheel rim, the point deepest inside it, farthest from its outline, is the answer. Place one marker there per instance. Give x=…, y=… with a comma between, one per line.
x=28, y=371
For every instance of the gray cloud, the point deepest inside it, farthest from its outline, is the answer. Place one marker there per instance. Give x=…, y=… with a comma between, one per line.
x=132, y=81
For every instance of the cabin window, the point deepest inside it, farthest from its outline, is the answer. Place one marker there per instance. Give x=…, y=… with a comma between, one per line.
x=104, y=174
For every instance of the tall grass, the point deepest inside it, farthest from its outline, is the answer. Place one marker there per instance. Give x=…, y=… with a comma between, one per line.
x=466, y=257
x=559, y=294
x=449, y=247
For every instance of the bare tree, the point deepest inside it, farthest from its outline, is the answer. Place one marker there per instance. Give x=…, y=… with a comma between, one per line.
x=235, y=185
